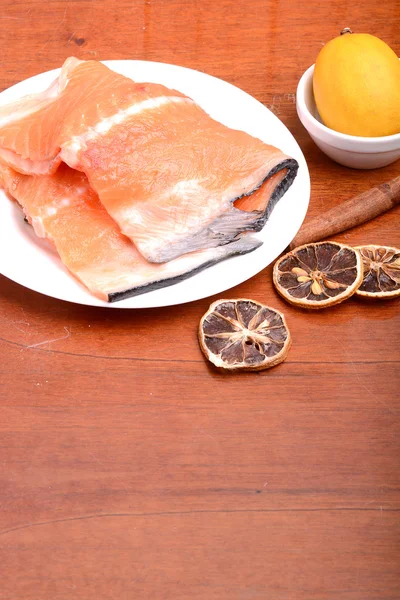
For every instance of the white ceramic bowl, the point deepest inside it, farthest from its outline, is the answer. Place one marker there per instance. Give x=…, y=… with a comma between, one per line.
x=349, y=150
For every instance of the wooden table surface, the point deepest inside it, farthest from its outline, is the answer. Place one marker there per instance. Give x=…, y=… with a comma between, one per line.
x=129, y=467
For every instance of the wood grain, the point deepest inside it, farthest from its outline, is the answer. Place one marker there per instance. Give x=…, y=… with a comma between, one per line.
x=231, y=554
x=129, y=467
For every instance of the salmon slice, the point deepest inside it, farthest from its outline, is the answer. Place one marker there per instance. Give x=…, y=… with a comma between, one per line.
x=169, y=175
x=174, y=179
x=34, y=128
x=64, y=209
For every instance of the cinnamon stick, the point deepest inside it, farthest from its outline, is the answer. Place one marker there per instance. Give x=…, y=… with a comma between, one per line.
x=353, y=212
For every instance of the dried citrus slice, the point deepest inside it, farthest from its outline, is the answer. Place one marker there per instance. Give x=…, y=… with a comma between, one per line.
x=318, y=275
x=381, y=271
x=243, y=335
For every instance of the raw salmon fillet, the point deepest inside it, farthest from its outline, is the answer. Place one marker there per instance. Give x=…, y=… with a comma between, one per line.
x=64, y=209
x=169, y=175
x=34, y=129
x=174, y=179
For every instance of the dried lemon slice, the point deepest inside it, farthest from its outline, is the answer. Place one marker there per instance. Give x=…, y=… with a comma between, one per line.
x=381, y=271
x=318, y=275
x=243, y=335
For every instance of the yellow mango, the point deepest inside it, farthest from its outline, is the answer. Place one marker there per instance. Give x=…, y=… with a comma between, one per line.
x=356, y=85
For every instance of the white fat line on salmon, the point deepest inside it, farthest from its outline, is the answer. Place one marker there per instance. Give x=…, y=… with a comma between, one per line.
x=53, y=208
x=25, y=165
x=76, y=144
x=38, y=227
x=27, y=105
x=48, y=211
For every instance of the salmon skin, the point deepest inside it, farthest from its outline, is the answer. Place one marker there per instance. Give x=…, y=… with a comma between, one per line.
x=173, y=179
x=64, y=209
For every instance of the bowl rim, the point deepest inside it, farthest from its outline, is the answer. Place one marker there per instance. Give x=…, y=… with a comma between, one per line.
x=335, y=138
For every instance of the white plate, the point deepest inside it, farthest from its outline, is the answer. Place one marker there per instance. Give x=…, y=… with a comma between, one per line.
x=24, y=258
